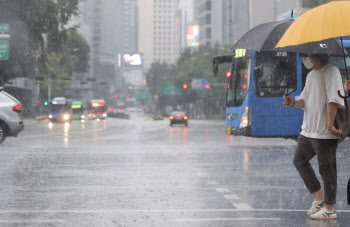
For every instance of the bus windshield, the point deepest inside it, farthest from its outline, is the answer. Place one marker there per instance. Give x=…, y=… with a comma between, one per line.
x=58, y=107
x=339, y=62
x=99, y=108
x=239, y=80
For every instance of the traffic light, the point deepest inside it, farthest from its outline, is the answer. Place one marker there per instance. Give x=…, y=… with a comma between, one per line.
x=207, y=86
x=115, y=96
x=128, y=96
x=228, y=74
x=184, y=86
x=46, y=103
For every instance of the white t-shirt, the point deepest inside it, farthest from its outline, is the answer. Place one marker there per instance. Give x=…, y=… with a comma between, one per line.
x=315, y=108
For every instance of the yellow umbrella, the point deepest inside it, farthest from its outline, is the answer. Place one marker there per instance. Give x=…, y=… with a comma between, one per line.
x=323, y=22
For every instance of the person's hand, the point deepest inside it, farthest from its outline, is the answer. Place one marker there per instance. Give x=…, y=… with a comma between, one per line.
x=347, y=85
x=334, y=131
x=288, y=100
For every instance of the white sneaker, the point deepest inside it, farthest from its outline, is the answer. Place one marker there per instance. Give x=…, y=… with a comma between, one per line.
x=316, y=207
x=324, y=214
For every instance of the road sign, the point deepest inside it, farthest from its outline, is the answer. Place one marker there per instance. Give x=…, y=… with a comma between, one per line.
x=143, y=96
x=4, y=28
x=200, y=84
x=170, y=90
x=5, y=36
x=4, y=50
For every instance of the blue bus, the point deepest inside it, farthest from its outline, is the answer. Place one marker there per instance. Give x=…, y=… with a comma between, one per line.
x=60, y=109
x=257, y=82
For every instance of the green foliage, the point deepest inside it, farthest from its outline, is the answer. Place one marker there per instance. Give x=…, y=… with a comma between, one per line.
x=191, y=64
x=36, y=28
x=156, y=117
x=314, y=3
x=77, y=50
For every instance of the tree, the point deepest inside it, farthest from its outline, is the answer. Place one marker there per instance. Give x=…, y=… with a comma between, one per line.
x=61, y=64
x=314, y=3
x=33, y=24
x=190, y=64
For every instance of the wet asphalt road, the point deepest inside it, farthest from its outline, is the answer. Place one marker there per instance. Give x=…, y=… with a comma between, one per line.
x=137, y=172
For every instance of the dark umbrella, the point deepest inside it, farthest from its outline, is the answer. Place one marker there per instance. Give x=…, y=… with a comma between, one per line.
x=265, y=37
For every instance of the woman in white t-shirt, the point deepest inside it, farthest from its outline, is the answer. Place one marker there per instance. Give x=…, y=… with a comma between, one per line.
x=319, y=137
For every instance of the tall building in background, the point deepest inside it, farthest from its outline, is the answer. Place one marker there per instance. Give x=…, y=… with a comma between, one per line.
x=130, y=26
x=230, y=19
x=222, y=21
x=188, y=33
x=284, y=8
x=158, y=31
x=86, y=26
x=204, y=20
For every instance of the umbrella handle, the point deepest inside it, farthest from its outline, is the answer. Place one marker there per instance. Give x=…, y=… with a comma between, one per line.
x=344, y=97
x=286, y=96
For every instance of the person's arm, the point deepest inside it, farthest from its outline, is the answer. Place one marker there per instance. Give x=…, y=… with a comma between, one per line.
x=288, y=100
x=332, y=109
x=299, y=103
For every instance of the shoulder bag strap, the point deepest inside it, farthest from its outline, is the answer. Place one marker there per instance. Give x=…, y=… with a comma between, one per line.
x=324, y=83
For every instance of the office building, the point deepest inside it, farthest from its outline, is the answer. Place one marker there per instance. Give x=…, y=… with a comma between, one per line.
x=158, y=31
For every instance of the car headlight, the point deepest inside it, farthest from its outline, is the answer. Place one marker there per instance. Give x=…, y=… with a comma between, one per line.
x=82, y=116
x=245, y=119
x=66, y=117
x=50, y=116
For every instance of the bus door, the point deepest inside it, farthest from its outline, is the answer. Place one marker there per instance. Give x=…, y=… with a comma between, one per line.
x=275, y=74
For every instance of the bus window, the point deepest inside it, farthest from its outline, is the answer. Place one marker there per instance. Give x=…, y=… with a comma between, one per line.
x=276, y=74
x=339, y=62
x=239, y=81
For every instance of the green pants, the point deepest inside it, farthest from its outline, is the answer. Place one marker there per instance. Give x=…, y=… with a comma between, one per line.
x=325, y=150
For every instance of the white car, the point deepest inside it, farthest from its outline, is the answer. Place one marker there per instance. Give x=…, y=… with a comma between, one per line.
x=10, y=120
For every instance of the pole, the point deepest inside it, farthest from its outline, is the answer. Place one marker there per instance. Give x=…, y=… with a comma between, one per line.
x=49, y=91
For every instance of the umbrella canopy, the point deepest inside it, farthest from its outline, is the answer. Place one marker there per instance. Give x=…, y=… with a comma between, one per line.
x=264, y=37
x=323, y=22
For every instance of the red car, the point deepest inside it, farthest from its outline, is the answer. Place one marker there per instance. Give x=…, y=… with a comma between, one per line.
x=178, y=117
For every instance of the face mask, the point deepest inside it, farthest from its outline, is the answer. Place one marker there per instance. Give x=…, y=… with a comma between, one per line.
x=307, y=62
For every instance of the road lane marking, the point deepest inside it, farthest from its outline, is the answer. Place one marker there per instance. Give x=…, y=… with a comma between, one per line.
x=231, y=197
x=212, y=182
x=227, y=219
x=222, y=190
x=154, y=211
x=203, y=174
x=242, y=206
x=31, y=221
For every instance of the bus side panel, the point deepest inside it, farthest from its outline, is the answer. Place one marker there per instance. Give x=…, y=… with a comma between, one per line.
x=268, y=115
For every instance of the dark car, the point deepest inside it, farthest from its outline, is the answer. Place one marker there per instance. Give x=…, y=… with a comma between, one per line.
x=178, y=117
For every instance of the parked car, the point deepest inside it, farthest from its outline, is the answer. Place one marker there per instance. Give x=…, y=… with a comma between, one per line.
x=178, y=117
x=10, y=120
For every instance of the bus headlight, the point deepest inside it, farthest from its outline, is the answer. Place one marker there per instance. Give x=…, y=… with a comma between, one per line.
x=50, y=116
x=82, y=116
x=245, y=119
x=66, y=117
x=105, y=115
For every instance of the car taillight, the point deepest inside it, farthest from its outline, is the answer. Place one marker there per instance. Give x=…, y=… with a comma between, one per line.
x=17, y=108
x=185, y=117
x=171, y=117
